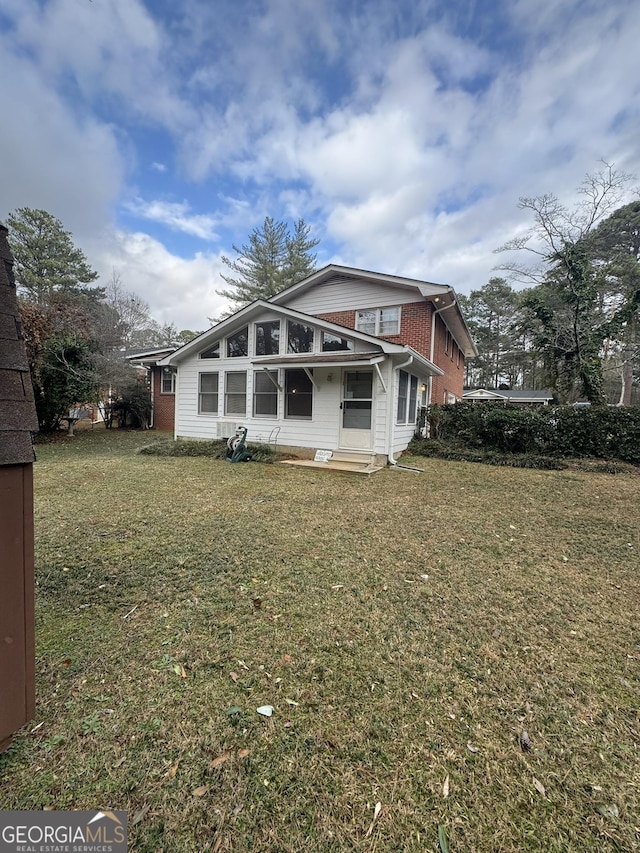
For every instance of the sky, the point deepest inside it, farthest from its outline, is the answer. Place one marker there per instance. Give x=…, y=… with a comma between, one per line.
x=403, y=132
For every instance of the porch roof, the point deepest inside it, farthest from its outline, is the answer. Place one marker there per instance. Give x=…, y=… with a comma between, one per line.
x=335, y=359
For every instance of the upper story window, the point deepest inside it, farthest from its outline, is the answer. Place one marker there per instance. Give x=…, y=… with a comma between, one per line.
x=212, y=352
x=379, y=321
x=238, y=344
x=299, y=337
x=268, y=338
x=334, y=343
x=168, y=381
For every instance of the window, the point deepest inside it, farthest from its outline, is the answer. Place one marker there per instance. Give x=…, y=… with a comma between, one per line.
x=208, y=394
x=334, y=343
x=265, y=395
x=235, y=394
x=168, y=381
x=298, y=392
x=407, y=397
x=413, y=398
x=379, y=321
x=268, y=338
x=212, y=352
x=403, y=387
x=299, y=337
x=238, y=344
x=447, y=342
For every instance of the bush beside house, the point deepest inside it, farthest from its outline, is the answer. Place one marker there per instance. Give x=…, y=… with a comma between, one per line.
x=552, y=432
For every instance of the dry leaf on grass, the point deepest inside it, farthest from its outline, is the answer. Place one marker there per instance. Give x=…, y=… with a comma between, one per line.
x=171, y=772
x=220, y=759
x=242, y=753
x=201, y=791
x=140, y=814
x=537, y=784
x=376, y=812
x=445, y=787
x=234, y=676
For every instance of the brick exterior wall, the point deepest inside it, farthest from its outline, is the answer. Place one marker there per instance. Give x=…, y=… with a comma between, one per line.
x=164, y=405
x=415, y=331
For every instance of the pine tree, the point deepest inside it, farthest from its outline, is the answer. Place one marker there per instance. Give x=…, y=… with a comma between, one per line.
x=271, y=261
x=45, y=260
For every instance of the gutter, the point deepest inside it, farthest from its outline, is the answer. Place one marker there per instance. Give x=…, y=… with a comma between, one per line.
x=390, y=458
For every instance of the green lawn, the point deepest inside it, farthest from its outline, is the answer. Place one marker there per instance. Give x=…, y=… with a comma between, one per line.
x=406, y=628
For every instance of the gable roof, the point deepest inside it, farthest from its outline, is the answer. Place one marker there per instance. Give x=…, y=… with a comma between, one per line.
x=443, y=296
x=245, y=315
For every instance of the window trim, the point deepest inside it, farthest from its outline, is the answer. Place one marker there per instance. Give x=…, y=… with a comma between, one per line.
x=227, y=394
x=209, y=393
x=272, y=393
x=170, y=374
x=235, y=335
x=203, y=355
x=378, y=320
x=313, y=337
x=255, y=337
x=288, y=393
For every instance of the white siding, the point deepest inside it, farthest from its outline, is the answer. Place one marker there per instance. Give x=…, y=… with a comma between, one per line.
x=320, y=432
x=343, y=294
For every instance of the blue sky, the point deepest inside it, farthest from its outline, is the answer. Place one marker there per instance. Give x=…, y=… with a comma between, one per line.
x=404, y=133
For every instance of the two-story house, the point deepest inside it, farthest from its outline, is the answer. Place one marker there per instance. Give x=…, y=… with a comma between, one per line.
x=341, y=361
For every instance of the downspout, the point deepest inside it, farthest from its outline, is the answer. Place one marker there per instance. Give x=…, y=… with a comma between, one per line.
x=390, y=458
x=433, y=343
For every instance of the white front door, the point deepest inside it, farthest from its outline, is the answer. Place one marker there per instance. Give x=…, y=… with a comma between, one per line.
x=356, y=422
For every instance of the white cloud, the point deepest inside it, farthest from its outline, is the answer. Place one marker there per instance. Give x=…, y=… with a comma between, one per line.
x=180, y=291
x=51, y=157
x=175, y=215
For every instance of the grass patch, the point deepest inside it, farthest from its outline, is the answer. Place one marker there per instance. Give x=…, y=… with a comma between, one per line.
x=405, y=629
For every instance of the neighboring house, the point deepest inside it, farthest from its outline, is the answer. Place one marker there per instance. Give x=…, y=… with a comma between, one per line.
x=522, y=396
x=341, y=361
x=162, y=381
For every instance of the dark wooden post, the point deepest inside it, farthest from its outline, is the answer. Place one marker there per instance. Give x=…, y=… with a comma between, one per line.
x=17, y=423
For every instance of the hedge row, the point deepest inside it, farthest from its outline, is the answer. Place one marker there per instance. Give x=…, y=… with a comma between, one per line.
x=558, y=432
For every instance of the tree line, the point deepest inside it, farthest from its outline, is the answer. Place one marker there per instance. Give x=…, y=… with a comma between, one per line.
x=77, y=332
x=575, y=327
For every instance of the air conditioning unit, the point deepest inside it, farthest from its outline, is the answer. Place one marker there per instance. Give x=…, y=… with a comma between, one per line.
x=227, y=429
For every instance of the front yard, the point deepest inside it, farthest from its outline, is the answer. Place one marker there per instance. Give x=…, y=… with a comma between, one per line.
x=406, y=629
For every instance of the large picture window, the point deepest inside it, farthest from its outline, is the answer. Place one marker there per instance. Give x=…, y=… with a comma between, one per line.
x=265, y=395
x=238, y=344
x=268, y=338
x=299, y=337
x=208, y=394
x=298, y=394
x=379, y=321
x=235, y=394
